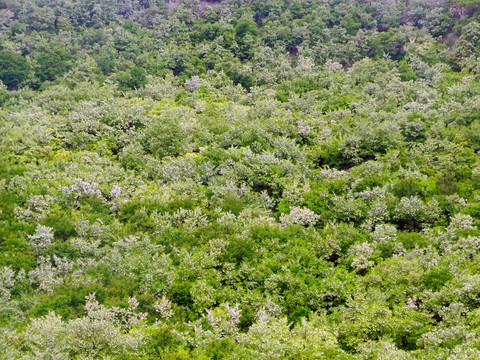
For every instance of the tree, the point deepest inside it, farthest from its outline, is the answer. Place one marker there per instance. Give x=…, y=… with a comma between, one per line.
x=133, y=79
x=246, y=31
x=468, y=44
x=50, y=65
x=14, y=69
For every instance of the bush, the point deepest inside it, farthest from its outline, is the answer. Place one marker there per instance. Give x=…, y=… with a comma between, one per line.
x=181, y=294
x=436, y=278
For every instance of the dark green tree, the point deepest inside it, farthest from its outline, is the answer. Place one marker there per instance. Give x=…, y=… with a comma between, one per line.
x=14, y=69
x=244, y=27
x=133, y=79
x=50, y=65
x=245, y=34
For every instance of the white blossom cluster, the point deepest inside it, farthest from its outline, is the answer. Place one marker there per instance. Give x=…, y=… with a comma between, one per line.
x=299, y=216
x=7, y=282
x=102, y=333
x=361, y=255
x=385, y=233
x=414, y=209
x=164, y=308
x=41, y=239
x=37, y=207
x=50, y=272
x=224, y=320
x=189, y=219
x=84, y=188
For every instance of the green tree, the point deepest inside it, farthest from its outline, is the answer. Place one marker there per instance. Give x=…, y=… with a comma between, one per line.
x=246, y=31
x=50, y=65
x=133, y=79
x=14, y=69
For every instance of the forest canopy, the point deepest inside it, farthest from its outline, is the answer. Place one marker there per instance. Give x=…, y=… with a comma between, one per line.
x=239, y=179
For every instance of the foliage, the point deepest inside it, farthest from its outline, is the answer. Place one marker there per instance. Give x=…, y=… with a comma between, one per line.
x=239, y=179
x=14, y=69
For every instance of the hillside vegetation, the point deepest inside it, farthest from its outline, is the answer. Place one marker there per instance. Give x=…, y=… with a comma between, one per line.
x=239, y=179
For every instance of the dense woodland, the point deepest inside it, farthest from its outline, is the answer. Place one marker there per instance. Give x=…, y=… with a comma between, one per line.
x=239, y=179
